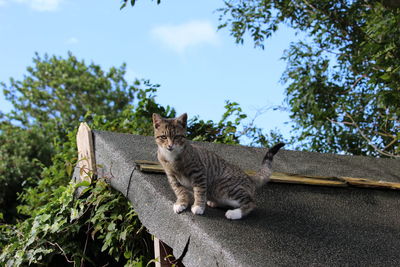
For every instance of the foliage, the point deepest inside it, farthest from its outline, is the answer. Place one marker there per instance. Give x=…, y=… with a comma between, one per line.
x=64, y=90
x=132, y=2
x=22, y=154
x=231, y=129
x=99, y=227
x=344, y=78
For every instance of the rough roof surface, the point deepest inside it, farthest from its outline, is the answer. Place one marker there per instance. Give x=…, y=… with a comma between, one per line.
x=292, y=224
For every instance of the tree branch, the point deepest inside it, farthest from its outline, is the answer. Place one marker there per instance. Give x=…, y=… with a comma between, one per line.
x=63, y=252
x=377, y=149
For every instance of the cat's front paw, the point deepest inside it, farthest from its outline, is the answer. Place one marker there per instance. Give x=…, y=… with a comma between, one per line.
x=197, y=210
x=178, y=208
x=235, y=214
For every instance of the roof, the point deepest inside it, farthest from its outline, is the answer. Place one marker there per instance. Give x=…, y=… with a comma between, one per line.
x=292, y=224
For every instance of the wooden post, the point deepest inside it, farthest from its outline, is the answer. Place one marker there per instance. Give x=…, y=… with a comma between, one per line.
x=161, y=251
x=86, y=159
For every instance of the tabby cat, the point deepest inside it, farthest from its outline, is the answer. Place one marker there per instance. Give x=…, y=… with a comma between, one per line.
x=194, y=172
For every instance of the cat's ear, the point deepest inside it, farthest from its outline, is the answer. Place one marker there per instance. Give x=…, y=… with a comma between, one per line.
x=182, y=120
x=156, y=120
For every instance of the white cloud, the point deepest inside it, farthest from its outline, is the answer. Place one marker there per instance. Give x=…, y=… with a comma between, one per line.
x=72, y=41
x=41, y=5
x=180, y=37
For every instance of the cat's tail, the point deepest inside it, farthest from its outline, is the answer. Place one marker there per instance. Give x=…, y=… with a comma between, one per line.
x=264, y=174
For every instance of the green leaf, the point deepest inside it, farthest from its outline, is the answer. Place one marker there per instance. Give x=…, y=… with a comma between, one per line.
x=104, y=247
x=74, y=214
x=122, y=235
x=83, y=183
x=111, y=227
x=127, y=254
x=385, y=76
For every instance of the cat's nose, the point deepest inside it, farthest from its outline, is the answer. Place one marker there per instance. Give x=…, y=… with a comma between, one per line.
x=169, y=147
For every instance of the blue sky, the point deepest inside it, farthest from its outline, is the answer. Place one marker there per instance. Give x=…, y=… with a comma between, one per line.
x=175, y=44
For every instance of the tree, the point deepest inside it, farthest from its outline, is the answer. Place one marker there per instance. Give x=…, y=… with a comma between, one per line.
x=22, y=155
x=65, y=90
x=343, y=81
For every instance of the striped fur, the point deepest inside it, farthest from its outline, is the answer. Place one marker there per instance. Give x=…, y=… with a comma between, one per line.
x=201, y=177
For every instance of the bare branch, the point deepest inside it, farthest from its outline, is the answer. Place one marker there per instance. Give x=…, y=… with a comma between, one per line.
x=391, y=143
x=380, y=151
x=63, y=252
x=340, y=122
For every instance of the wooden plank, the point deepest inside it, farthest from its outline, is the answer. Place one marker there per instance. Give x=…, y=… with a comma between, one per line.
x=296, y=179
x=151, y=168
x=289, y=178
x=86, y=159
x=275, y=177
x=147, y=162
x=306, y=176
x=361, y=182
x=279, y=177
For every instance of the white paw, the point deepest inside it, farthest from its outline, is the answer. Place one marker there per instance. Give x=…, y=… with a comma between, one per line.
x=212, y=204
x=233, y=214
x=197, y=210
x=178, y=208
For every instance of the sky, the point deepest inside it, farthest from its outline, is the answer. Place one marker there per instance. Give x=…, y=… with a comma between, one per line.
x=175, y=44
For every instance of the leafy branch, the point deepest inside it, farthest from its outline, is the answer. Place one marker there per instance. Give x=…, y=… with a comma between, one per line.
x=352, y=123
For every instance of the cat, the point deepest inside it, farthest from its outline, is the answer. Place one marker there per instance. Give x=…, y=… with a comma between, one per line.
x=194, y=172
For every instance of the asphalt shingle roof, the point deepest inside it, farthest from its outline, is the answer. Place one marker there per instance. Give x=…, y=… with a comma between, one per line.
x=292, y=224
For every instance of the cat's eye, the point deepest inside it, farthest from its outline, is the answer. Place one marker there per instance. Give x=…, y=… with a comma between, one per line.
x=163, y=137
x=179, y=137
